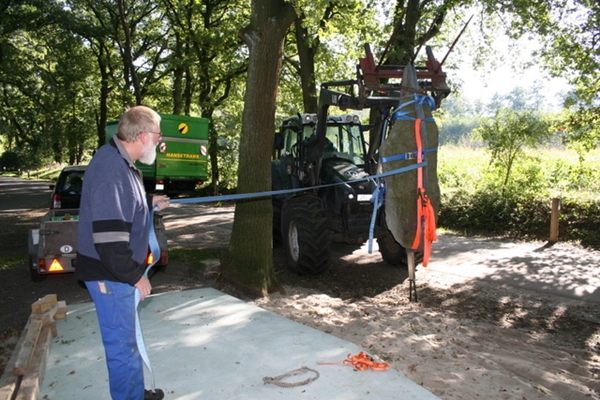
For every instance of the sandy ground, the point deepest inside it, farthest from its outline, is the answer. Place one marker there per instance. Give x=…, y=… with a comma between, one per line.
x=453, y=358
x=491, y=339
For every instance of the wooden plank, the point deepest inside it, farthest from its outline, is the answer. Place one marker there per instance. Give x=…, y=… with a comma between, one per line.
x=28, y=347
x=47, y=315
x=44, y=304
x=61, y=313
x=47, y=318
x=9, y=382
x=32, y=380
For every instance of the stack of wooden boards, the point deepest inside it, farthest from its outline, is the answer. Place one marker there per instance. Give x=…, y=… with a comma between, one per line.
x=25, y=370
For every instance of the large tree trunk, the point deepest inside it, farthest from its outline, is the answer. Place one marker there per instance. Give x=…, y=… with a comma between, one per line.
x=105, y=90
x=130, y=73
x=249, y=262
x=178, y=72
x=306, y=54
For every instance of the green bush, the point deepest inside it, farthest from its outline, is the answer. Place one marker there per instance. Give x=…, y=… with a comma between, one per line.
x=474, y=200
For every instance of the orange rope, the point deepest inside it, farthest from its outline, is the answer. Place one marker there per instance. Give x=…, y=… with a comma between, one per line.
x=361, y=362
x=425, y=212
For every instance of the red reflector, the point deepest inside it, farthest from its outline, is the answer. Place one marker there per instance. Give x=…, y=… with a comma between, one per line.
x=55, y=266
x=56, y=203
x=42, y=265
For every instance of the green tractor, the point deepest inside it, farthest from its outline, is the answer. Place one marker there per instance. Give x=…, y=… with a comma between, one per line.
x=324, y=164
x=336, y=205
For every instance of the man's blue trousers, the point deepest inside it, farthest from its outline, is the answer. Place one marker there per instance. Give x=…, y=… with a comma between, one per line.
x=116, y=310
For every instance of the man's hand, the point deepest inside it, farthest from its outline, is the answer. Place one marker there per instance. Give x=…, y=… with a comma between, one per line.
x=144, y=287
x=161, y=201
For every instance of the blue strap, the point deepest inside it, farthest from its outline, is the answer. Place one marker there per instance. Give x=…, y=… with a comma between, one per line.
x=210, y=199
x=425, y=99
x=403, y=115
x=420, y=100
x=153, y=241
x=406, y=156
x=155, y=250
x=140, y=340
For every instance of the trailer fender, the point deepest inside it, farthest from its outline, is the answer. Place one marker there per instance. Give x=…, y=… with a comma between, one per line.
x=33, y=240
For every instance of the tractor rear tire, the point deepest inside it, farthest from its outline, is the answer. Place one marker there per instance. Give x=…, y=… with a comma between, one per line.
x=277, y=236
x=392, y=252
x=305, y=237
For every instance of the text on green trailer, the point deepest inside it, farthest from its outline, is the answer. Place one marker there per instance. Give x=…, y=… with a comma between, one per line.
x=181, y=157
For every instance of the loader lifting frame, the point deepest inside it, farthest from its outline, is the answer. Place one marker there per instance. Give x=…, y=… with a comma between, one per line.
x=378, y=87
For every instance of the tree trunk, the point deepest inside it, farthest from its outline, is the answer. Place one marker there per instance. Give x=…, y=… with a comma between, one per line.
x=178, y=71
x=130, y=73
x=306, y=54
x=105, y=90
x=249, y=262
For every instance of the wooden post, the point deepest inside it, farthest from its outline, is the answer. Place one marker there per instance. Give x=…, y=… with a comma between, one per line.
x=554, y=221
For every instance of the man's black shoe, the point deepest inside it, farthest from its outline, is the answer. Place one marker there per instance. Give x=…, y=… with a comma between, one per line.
x=156, y=395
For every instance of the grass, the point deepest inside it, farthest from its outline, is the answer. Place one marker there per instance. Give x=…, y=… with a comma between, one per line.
x=193, y=257
x=48, y=173
x=477, y=201
x=11, y=262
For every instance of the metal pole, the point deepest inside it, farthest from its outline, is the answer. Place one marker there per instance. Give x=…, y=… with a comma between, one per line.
x=554, y=221
x=412, y=285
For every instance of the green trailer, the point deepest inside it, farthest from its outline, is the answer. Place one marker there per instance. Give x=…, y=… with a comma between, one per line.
x=181, y=158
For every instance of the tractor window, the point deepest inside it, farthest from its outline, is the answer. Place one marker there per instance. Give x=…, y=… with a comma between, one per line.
x=347, y=139
x=353, y=142
x=290, y=139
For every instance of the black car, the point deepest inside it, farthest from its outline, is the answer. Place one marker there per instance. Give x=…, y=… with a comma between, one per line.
x=67, y=190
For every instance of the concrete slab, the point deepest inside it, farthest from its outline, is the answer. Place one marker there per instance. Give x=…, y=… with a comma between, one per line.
x=204, y=344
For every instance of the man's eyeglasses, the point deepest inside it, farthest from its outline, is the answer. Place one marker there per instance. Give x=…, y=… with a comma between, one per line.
x=157, y=133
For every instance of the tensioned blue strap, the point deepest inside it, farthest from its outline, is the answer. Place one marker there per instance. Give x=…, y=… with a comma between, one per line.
x=406, y=156
x=420, y=100
x=403, y=115
x=155, y=250
x=210, y=199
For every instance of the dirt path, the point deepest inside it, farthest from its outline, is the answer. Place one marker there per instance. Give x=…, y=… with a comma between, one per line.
x=495, y=320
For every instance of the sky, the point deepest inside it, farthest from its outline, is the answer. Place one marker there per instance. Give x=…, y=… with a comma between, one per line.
x=483, y=86
x=506, y=75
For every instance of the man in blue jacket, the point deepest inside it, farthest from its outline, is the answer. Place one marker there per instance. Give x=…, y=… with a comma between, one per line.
x=113, y=244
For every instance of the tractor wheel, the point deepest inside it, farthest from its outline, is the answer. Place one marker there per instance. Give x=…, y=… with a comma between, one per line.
x=305, y=237
x=277, y=236
x=392, y=252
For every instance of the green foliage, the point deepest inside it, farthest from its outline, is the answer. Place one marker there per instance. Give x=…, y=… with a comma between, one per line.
x=506, y=136
x=191, y=256
x=11, y=262
x=456, y=120
x=474, y=201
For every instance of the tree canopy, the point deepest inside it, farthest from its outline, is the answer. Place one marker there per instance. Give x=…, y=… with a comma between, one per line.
x=69, y=66
x=72, y=65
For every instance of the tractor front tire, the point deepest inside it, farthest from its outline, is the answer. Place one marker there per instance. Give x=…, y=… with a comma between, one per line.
x=305, y=237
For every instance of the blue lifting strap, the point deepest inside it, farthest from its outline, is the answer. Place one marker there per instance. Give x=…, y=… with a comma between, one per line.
x=155, y=250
